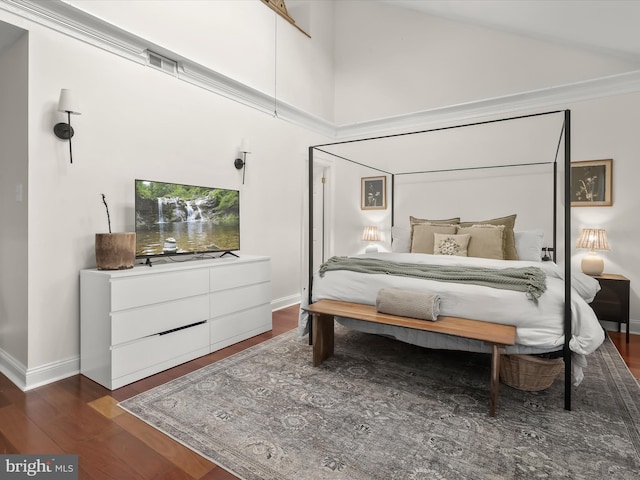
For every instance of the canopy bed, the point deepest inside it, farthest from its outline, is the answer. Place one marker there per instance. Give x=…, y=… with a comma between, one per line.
x=555, y=318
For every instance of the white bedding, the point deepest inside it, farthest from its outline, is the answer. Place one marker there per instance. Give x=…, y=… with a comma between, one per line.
x=539, y=326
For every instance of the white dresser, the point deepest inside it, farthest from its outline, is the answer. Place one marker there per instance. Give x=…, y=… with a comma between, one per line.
x=137, y=322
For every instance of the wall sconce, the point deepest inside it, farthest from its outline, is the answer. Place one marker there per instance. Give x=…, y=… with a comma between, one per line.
x=593, y=239
x=241, y=163
x=371, y=234
x=69, y=104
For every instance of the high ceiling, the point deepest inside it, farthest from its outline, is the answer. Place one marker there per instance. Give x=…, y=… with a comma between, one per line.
x=604, y=26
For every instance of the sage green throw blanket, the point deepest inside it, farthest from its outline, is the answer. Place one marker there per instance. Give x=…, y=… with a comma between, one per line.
x=531, y=280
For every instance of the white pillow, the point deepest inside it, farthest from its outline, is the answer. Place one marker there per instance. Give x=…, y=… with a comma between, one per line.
x=529, y=245
x=400, y=240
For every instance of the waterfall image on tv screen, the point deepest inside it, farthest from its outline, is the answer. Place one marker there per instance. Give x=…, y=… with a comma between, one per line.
x=174, y=219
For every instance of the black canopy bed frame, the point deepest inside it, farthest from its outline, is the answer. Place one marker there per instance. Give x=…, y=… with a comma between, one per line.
x=566, y=188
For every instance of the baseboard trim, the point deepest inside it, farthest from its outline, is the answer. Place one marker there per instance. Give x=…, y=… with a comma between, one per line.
x=27, y=379
x=284, y=302
x=52, y=372
x=13, y=369
x=634, y=326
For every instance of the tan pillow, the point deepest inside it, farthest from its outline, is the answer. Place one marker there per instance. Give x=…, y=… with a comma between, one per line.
x=487, y=241
x=510, y=252
x=445, y=244
x=422, y=236
x=448, y=221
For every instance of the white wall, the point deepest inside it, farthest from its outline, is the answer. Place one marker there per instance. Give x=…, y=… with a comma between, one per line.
x=606, y=128
x=14, y=201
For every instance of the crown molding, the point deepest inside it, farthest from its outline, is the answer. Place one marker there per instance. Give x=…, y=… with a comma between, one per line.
x=68, y=20
x=75, y=23
x=557, y=96
x=222, y=85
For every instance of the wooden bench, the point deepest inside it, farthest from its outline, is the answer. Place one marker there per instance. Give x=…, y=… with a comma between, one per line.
x=324, y=311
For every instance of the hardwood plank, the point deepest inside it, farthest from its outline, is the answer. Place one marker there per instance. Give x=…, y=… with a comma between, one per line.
x=179, y=455
x=630, y=352
x=84, y=474
x=23, y=434
x=10, y=392
x=100, y=460
x=219, y=473
x=141, y=459
x=107, y=406
x=6, y=447
x=82, y=388
x=80, y=426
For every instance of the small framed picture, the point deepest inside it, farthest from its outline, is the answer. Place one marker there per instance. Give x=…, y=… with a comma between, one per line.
x=373, y=193
x=591, y=183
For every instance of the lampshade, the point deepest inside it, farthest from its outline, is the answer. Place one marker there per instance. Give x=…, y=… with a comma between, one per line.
x=68, y=102
x=371, y=234
x=593, y=239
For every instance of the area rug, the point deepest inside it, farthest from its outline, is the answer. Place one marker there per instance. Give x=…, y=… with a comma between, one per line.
x=381, y=409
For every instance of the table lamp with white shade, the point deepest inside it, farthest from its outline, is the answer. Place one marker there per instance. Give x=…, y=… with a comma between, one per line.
x=593, y=239
x=371, y=234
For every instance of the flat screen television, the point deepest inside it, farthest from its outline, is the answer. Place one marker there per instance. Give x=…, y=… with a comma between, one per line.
x=176, y=219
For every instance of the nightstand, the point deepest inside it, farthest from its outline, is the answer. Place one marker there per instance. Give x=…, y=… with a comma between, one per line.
x=612, y=301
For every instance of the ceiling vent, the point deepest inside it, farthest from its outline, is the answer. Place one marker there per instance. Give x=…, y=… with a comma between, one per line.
x=162, y=63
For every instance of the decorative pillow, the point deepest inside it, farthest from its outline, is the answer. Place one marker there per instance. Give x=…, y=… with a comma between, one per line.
x=487, y=241
x=448, y=221
x=510, y=252
x=422, y=236
x=451, y=244
x=529, y=245
x=400, y=240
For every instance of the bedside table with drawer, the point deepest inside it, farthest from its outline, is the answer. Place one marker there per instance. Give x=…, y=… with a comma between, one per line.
x=611, y=303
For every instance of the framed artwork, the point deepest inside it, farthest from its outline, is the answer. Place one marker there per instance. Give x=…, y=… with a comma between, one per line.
x=591, y=183
x=373, y=194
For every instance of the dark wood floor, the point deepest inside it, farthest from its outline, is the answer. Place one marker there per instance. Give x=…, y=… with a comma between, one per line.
x=76, y=415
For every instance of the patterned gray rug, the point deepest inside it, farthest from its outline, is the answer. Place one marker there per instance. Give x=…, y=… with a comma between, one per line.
x=380, y=409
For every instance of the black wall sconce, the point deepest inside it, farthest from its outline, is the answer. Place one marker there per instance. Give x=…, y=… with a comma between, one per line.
x=241, y=163
x=67, y=103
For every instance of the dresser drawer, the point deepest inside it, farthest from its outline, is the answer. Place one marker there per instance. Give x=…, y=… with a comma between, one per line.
x=231, y=276
x=158, y=350
x=228, y=301
x=127, y=325
x=135, y=291
x=233, y=328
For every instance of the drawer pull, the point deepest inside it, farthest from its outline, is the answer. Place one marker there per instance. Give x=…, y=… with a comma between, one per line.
x=182, y=328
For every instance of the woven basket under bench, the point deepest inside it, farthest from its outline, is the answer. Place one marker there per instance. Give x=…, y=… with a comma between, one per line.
x=528, y=372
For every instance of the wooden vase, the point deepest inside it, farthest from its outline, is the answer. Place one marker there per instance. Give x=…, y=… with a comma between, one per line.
x=115, y=251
